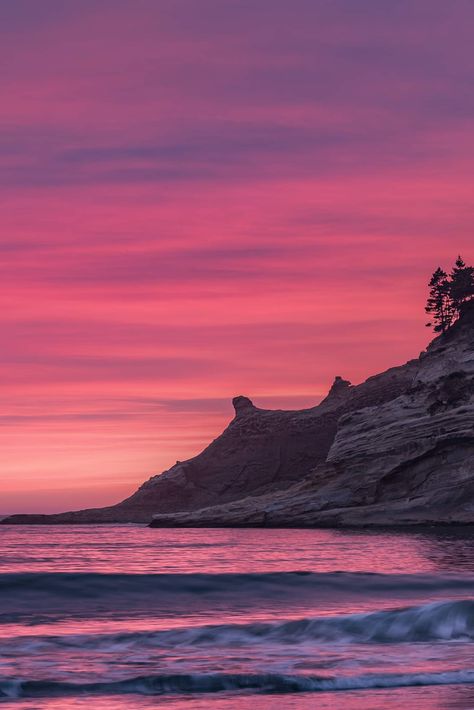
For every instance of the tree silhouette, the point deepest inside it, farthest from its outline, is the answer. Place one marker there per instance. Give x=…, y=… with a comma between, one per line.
x=439, y=301
x=461, y=284
x=448, y=294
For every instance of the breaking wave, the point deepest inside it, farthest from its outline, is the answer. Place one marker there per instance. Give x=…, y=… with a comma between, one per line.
x=442, y=621
x=219, y=682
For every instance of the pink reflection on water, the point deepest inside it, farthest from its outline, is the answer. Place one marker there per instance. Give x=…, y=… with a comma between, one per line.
x=82, y=638
x=437, y=698
x=137, y=549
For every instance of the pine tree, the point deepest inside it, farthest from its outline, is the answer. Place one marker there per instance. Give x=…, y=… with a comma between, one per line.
x=461, y=284
x=439, y=302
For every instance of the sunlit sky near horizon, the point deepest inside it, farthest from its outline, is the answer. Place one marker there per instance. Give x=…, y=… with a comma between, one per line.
x=205, y=198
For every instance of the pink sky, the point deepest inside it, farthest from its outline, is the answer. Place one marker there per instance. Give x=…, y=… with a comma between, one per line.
x=204, y=199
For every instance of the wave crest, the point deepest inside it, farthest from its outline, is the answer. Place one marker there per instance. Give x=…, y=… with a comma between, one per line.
x=219, y=682
x=436, y=622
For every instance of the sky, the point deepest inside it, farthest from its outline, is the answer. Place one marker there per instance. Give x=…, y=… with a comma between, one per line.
x=207, y=198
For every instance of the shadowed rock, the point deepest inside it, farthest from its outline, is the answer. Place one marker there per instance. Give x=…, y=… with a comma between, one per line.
x=405, y=461
x=259, y=452
x=242, y=406
x=397, y=448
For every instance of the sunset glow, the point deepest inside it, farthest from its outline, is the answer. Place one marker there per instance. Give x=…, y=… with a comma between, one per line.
x=200, y=202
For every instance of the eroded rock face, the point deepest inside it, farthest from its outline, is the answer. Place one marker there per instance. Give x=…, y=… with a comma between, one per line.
x=408, y=460
x=397, y=449
x=261, y=451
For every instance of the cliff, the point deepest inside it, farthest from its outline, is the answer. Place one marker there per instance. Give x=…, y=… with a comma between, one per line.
x=397, y=448
x=408, y=460
x=260, y=451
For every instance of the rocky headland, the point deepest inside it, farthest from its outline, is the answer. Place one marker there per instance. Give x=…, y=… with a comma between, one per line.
x=397, y=449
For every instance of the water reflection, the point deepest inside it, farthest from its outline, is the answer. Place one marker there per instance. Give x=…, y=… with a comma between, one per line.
x=103, y=627
x=431, y=698
x=449, y=549
x=137, y=549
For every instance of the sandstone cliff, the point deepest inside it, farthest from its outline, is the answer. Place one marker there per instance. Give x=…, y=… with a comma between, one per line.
x=407, y=460
x=394, y=449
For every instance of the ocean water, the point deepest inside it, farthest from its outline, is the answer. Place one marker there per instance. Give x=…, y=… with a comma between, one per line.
x=115, y=617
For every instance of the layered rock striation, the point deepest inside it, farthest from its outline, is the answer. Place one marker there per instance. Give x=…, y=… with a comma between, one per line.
x=403, y=461
x=396, y=449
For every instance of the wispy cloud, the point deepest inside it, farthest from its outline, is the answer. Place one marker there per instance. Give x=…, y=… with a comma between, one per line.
x=202, y=199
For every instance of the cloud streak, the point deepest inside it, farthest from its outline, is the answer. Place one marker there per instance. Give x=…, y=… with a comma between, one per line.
x=208, y=199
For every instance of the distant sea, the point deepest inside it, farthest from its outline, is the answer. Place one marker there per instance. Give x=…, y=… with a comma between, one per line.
x=120, y=617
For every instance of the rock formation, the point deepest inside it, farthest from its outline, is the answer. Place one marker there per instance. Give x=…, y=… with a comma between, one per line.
x=407, y=460
x=395, y=449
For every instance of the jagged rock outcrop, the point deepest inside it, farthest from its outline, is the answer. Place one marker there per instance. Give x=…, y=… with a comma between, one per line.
x=261, y=451
x=408, y=460
x=395, y=449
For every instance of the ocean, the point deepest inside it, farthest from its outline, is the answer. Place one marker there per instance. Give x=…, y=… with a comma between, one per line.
x=122, y=616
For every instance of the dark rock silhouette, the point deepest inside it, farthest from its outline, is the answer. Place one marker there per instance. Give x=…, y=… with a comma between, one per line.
x=397, y=448
x=260, y=451
x=404, y=461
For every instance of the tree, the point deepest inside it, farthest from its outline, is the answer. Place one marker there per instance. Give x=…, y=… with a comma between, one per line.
x=461, y=284
x=448, y=294
x=439, y=301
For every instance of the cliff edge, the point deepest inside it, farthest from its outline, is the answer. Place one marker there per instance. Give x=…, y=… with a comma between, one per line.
x=406, y=461
x=396, y=449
